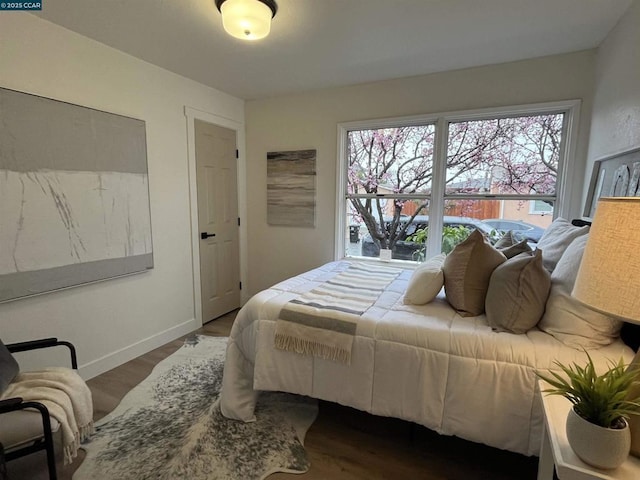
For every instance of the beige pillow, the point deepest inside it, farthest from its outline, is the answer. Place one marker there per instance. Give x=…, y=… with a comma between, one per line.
x=555, y=240
x=507, y=240
x=467, y=270
x=570, y=321
x=426, y=281
x=515, y=249
x=517, y=293
x=509, y=245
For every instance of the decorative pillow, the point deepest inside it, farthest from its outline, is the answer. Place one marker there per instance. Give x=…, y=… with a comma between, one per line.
x=467, y=270
x=506, y=240
x=509, y=245
x=515, y=249
x=570, y=321
x=426, y=281
x=8, y=367
x=517, y=293
x=555, y=240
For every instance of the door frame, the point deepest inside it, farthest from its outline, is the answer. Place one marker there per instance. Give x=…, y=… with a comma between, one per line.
x=193, y=114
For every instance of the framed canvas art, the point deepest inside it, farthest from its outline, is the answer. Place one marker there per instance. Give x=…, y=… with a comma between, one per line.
x=614, y=176
x=74, y=195
x=291, y=188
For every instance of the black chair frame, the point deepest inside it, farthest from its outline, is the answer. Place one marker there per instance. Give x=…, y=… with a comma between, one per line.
x=15, y=404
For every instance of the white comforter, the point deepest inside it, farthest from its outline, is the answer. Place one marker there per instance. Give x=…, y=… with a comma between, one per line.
x=425, y=364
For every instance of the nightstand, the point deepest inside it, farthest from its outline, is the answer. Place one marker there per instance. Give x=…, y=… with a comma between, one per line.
x=556, y=452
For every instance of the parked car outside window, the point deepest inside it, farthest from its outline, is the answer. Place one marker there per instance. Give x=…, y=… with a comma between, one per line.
x=407, y=249
x=522, y=230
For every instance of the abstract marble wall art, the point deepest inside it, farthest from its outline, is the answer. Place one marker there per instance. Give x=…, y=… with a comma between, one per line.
x=74, y=195
x=291, y=188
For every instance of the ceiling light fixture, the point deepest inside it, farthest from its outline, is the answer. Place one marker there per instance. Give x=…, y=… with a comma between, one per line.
x=247, y=19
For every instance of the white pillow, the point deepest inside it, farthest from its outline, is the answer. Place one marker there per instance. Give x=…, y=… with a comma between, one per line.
x=426, y=281
x=570, y=321
x=555, y=240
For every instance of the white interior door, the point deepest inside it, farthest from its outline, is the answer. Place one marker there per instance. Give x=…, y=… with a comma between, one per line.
x=216, y=179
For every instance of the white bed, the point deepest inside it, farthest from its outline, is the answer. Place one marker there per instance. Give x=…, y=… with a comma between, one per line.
x=424, y=364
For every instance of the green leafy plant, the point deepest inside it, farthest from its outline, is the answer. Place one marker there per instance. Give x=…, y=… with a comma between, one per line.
x=599, y=399
x=420, y=236
x=451, y=236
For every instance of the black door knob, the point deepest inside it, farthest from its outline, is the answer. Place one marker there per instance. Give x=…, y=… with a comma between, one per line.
x=205, y=235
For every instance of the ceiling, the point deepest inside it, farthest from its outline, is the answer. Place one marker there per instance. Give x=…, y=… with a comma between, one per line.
x=326, y=43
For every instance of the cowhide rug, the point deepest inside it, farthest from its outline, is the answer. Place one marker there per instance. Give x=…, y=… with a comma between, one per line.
x=170, y=427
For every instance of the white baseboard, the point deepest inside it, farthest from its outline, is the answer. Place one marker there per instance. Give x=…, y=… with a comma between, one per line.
x=117, y=358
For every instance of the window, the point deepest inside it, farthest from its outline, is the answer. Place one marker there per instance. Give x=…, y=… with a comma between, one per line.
x=389, y=173
x=416, y=186
x=540, y=207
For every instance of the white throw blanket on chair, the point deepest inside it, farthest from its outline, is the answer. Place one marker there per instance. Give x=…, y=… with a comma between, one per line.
x=66, y=396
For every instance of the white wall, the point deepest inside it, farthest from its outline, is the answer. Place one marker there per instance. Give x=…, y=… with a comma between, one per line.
x=615, y=124
x=115, y=320
x=310, y=121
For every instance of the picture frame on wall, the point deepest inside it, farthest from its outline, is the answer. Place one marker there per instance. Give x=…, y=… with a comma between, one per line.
x=74, y=195
x=291, y=188
x=613, y=176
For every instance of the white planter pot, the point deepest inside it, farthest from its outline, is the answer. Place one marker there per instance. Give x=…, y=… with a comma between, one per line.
x=598, y=446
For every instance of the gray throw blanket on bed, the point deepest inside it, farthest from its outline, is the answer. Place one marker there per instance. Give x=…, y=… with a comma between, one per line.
x=323, y=321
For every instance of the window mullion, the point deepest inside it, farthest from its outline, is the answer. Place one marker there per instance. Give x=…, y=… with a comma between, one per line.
x=403, y=196
x=436, y=205
x=490, y=196
x=341, y=203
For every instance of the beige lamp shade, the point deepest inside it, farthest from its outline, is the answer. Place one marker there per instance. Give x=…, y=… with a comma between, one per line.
x=609, y=275
x=246, y=19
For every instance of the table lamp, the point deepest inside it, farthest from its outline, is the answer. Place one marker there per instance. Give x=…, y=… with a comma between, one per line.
x=609, y=277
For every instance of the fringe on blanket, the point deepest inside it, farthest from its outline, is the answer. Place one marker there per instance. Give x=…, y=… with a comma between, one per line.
x=310, y=347
x=70, y=451
x=67, y=398
x=323, y=321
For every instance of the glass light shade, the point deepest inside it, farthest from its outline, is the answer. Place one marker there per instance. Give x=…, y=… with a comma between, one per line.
x=609, y=275
x=246, y=19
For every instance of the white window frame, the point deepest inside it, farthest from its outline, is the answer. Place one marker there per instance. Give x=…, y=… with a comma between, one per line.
x=565, y=183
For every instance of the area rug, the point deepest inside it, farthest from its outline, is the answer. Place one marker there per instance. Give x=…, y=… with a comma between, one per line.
x=170, y=427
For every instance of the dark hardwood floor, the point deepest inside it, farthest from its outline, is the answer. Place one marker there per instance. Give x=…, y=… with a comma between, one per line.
x=343, y=443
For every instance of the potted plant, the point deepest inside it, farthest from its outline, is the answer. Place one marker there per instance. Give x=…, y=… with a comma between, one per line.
x=597, y=428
